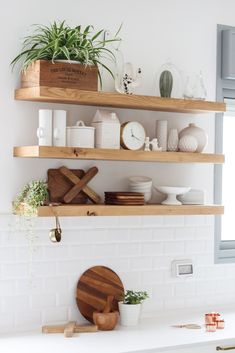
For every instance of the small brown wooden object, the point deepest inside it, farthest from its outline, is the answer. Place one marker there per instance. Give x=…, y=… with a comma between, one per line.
x=80, y=185
x=107, y=320
x=59, y=186
x=92, y=195
x=61, y=75
x=93, y=289
x=69, y=329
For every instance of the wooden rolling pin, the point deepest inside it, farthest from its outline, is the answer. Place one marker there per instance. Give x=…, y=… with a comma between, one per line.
x=69, y=329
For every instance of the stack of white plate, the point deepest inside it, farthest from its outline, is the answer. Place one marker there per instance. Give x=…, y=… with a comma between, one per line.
x=141, y=184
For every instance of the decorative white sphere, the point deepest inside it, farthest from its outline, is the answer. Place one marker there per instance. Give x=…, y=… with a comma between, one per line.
x=188, y=143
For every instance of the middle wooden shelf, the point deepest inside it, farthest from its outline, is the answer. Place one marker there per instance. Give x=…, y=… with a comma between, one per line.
x=115, y=155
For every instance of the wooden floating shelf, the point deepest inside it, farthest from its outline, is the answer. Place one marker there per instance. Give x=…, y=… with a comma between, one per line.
x=117, y=100
x=115, y=155
x=146, y=210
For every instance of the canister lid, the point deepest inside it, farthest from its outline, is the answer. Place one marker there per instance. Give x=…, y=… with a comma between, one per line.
x=80, y=125
x=105, y=116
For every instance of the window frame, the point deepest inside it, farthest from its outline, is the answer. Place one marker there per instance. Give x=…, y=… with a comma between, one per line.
x=224, y=249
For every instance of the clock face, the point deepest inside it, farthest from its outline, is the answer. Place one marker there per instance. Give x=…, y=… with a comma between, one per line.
x=132, y=135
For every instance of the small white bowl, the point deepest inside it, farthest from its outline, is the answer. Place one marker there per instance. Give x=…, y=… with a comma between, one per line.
x=139, y=180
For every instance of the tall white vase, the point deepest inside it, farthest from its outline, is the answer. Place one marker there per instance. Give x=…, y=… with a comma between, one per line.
x=161, y=133
x=173, y=140
x=59, y=128
x=44, y=131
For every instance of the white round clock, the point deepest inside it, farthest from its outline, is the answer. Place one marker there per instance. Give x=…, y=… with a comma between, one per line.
x=132, y=135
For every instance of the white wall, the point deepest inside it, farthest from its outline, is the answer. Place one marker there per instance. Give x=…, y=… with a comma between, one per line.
x=140, y=249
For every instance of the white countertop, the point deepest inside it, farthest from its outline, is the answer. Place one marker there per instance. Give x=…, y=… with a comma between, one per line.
x=151, y=334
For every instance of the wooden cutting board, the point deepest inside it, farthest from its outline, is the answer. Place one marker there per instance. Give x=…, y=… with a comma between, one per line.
x=59, y=186
x=93, y=289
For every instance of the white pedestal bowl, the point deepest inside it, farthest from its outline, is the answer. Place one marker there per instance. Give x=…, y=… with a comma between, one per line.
x=172, y=192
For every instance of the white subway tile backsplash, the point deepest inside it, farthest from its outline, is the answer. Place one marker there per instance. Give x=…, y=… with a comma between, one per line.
x=132, y=249
x=173, y=220
x=196, y=220
x=40, y=280
x=141, y=263
x=195, y=247
x=174, y=247
x=55, y=315
x=14, y=270
x=151, y=277
x=40, y=301
x=163, y=234
x=152, y=248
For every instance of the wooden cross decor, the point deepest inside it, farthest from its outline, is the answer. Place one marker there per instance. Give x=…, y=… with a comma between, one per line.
x=79, y=182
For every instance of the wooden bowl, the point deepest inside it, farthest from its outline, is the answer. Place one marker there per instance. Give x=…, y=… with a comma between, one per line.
x=106, y=321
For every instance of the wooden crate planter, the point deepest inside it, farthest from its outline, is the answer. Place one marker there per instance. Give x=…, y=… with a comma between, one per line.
x=60, y=74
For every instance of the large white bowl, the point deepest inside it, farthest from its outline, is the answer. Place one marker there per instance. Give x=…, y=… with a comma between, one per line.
x=172, y=192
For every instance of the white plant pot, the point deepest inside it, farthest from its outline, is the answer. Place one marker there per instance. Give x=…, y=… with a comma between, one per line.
x=129, y=314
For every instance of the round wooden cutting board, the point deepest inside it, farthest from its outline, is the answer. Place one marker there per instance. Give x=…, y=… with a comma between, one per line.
x=93, y=288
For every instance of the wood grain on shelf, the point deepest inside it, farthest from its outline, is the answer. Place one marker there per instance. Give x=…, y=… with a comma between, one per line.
x=114, y=99
x=115, y=155
x=146, y=210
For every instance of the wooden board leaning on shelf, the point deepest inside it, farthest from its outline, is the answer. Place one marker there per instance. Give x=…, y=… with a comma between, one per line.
x=115, y=155
x=145, y=210
x=116, y=100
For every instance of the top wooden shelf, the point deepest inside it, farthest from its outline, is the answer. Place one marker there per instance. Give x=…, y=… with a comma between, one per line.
x=116, y=100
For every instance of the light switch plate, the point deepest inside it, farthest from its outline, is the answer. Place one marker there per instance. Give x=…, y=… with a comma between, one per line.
x=182, y=268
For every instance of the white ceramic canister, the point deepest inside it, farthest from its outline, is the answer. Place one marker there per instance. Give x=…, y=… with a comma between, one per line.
x=81, y=135
x=44, y=131
x=59, y=127
x=198, y=133
x=107, y=133
x=161, y=133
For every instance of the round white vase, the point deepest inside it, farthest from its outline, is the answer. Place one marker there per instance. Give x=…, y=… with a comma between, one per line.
x=198, y=133
x=188, y=143
x=129, y=314
x=173, y=139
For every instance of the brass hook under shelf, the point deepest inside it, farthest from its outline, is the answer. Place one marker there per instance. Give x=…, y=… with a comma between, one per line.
x=225, y=348
x=91, y=213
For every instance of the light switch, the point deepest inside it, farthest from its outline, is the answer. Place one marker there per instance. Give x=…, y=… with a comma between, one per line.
x=182, y=268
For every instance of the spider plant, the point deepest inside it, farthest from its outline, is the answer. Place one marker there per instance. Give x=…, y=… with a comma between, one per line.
x=58, y=41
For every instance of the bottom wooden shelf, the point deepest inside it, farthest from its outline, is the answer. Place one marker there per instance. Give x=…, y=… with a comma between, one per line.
x=145, y=210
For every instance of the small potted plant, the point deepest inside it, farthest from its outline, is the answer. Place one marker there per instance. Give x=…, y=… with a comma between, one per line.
x=130, y=307
x=32, y=195
x=66, y=57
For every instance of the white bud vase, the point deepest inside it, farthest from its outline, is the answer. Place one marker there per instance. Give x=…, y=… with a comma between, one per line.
x=200, y=135
x=161, y=133
x=173, y=139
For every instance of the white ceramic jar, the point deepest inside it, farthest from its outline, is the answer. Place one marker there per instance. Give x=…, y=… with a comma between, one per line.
x=81, y=135
x=200, y=135
x=107, y=129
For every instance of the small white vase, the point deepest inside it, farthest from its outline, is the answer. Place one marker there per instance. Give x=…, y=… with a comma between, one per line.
x=188, y=143
x=173, y=139
x=198, y=133
x=161, y=133
x=129, y=314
